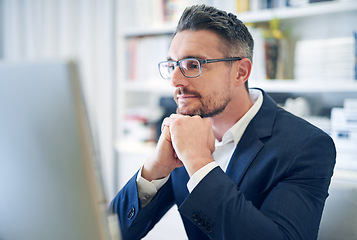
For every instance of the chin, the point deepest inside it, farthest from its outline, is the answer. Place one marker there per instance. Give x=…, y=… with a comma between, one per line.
x=186, y=111
x=200, y=112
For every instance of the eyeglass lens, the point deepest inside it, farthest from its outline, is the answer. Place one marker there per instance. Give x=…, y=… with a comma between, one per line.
x=166, y=69
x=188, y=67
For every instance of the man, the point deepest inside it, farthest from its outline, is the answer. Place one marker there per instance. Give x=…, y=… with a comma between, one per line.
x=236, y=165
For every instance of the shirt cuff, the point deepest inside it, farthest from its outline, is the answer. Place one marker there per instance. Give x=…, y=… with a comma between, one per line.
x=199, y=175
x=147, y=190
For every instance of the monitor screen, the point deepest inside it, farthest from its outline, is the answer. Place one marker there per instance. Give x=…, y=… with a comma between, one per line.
x=50, y=185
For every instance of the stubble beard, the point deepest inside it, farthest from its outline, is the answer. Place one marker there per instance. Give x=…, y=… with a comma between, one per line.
x=208, y=107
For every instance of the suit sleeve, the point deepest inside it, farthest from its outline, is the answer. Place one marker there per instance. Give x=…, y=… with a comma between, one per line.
x=291, y=210
x=135, y=221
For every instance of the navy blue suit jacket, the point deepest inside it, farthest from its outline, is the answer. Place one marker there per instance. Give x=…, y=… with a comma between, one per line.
x=275, y=186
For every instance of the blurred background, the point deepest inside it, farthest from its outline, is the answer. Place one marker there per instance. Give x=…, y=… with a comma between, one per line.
x=305, y=58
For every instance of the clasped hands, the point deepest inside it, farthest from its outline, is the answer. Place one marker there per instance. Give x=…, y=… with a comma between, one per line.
x=184, y=141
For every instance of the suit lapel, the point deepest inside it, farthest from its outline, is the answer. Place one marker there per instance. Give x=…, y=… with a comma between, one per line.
x=250, y=143
x=243, y=156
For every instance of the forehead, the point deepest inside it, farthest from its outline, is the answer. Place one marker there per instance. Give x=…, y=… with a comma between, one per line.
x=201, y=44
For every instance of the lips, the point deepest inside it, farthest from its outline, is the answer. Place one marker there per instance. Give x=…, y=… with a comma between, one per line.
x=183, y=99
x=185, y=96
x=182, y=94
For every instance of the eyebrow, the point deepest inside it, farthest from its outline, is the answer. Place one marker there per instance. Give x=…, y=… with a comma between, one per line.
x=185, y=57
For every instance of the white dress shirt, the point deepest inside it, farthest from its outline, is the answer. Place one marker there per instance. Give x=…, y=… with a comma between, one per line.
x=221, y=156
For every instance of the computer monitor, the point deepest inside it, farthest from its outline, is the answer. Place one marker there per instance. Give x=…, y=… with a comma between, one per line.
x=50, y=187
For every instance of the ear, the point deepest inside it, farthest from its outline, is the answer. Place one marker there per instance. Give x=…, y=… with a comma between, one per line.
x=243, y=69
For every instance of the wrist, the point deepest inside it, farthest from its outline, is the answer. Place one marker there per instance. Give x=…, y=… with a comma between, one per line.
x=196, y=163
x=199, y=175
x=151, y=171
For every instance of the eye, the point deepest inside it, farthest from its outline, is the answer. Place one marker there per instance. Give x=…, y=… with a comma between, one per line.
x=171, y=66
x=193, y=64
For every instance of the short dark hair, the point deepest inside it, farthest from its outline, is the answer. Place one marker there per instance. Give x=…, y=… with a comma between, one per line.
x=236, y=39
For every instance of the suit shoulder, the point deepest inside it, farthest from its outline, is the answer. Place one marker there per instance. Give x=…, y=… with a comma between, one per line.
x=296, y=124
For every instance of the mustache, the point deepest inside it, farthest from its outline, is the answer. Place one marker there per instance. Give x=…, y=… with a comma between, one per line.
x=184, y=90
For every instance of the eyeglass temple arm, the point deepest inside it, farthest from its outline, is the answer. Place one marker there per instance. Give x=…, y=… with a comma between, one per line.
x=220, y=60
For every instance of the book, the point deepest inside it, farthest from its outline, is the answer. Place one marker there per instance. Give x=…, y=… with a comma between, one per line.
x=143, y=55
x=326, y=59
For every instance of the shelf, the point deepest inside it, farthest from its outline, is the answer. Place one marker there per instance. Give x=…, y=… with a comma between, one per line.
x=279, y=86
x=259, y=16
x=307, y=10
x=305, y=86
x=162, y=29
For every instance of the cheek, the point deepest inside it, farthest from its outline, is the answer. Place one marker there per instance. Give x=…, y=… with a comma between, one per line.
x=217, y=94
x=217, y=86
x=224, y=86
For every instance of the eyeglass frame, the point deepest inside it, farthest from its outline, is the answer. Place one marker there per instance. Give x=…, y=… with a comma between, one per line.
x=200, y=61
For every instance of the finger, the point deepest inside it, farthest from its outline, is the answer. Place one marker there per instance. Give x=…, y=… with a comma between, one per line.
x=166, y=132
x=176, y=115
x=207, y=121
x=165, y=123
x=169, y=120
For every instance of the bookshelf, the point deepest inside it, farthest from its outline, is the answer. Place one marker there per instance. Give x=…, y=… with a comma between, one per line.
x=307, y=10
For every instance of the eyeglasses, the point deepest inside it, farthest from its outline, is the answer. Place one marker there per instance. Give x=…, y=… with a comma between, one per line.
x=190, y=67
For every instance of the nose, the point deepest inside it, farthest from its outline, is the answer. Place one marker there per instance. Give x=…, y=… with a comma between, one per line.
x=178, y=79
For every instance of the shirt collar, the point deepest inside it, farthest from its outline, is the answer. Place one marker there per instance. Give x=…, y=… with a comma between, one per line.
x=236, y=131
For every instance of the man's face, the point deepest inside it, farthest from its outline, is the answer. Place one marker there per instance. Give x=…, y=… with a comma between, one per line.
x=208, y=94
